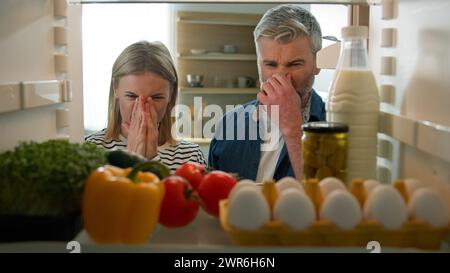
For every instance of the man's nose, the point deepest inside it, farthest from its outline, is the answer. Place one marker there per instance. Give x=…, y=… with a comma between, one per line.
x=282, y=70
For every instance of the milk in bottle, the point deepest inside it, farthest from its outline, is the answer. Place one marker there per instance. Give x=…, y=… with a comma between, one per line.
x=354, y=100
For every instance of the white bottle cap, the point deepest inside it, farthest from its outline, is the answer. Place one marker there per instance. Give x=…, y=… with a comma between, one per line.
x=355, y=31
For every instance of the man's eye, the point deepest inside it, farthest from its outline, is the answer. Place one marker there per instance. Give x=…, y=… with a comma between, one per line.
x=271, y=65
x=157, y=97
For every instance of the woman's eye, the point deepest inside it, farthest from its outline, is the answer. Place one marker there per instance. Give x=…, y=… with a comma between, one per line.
x=157, y=97
x=131, y=96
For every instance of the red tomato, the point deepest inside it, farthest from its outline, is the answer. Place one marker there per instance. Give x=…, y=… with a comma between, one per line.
x=215, y=186
x=193, y=172
x=179, y=206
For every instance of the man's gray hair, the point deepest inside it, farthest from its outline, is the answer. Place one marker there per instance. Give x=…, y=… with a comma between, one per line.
x=285, y=23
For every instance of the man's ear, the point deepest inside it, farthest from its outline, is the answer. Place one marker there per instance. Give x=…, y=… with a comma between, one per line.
x=316, y=69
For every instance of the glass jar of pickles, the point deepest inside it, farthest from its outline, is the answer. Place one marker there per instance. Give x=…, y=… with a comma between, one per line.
x=324, y=150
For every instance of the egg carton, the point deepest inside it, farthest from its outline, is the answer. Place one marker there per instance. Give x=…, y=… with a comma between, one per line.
x=413, y=234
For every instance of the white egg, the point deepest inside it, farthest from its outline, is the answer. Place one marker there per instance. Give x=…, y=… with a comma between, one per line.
x=341, y=208
x=426, y=204
x=240, y=185
x=329, y=184
x=386, y=205
x=412, y=184
x=288, y=183
x=295, y=209
x=248, y=209
x=369, y=185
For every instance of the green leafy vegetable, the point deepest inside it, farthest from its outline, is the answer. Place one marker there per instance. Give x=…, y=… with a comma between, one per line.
x=46, y=178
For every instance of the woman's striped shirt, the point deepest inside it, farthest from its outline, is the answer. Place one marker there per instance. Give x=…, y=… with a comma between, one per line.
x=171, y=155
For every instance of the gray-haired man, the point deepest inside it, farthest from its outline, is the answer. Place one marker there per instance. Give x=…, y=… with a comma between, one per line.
x=287, y=39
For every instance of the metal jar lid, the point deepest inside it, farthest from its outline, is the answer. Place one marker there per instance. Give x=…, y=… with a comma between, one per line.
x=323, y=127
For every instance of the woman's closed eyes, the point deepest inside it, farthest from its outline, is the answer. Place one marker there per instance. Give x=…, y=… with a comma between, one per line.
x=132, y=96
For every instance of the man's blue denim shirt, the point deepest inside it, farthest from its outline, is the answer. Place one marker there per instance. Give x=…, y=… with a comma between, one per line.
x=242, y=154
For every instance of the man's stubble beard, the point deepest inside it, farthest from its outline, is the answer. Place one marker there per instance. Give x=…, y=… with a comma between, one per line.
x=305, y=91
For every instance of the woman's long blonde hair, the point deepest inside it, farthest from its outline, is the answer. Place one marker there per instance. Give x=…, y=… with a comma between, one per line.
x=139, y=58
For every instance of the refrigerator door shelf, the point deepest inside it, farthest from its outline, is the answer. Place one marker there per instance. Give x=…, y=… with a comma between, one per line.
x=30, y=94
x=41, y=93
x=10, y=98
x=423, y=135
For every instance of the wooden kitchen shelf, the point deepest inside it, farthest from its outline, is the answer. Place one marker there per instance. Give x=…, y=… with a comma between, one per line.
x=215, y=90
x=218, y=57
x=218, y=18
x=210, y=32
x=219, y=22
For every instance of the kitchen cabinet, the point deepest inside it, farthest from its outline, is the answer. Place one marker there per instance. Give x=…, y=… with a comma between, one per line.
x=208, y=33
x=201, y=41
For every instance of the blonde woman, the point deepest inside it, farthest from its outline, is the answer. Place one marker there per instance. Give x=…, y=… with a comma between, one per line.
x=143, y=92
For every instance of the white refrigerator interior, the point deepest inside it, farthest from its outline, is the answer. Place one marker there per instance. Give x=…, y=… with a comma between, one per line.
x=41, y=81
x=41, y=94
x=409, y=48
x=40, y=72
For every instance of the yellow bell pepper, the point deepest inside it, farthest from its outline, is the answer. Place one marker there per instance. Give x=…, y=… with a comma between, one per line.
x=121, y=205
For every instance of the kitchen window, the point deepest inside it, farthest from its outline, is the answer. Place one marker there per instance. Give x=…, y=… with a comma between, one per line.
x=107, y=29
